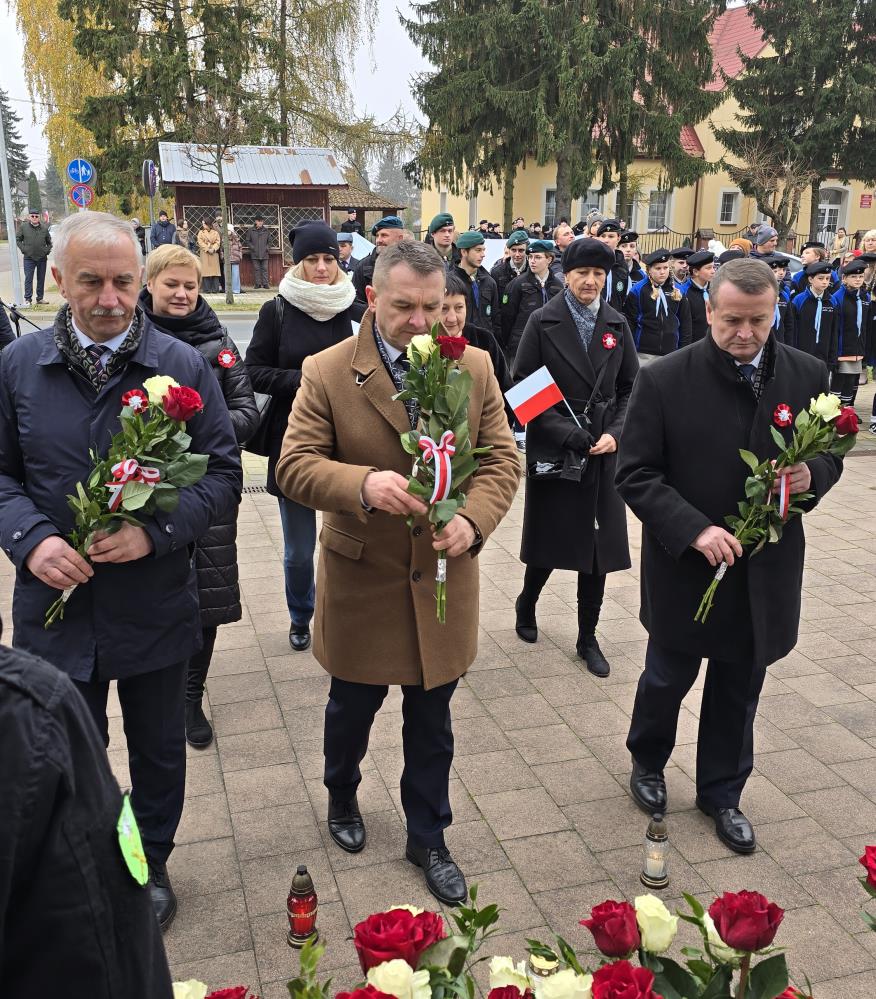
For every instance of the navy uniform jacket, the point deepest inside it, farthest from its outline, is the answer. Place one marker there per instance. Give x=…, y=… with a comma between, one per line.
x=486, y=313
x=503, y=274
x=132, y=617
x=73, y=921
x=617, y=283
x=820, y=343
x=784, y=329
x=522, y=297
x=851, y=339
x=655, y=334
x=696, y=301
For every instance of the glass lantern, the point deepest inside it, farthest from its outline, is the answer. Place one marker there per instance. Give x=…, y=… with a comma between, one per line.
x=655, y=867
x=301, y=906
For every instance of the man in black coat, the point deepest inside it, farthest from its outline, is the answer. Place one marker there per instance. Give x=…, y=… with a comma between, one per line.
x=574, y=518
x=73, y=918
x=680, y=472
x=133, y=615
x=352, y=223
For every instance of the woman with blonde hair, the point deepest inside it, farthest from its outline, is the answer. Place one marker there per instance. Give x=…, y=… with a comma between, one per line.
x=841, y=242
x=311, y=312
x=172, y=301
x=209, y=244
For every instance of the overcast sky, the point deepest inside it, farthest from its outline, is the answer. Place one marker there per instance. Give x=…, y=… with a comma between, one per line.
x=379, y=78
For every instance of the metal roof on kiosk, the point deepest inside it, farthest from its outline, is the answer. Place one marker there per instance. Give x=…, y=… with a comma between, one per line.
x=268, y=166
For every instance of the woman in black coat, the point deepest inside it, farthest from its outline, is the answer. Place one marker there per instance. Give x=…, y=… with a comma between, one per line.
x=172, y=301
x=311, y=312
x=573, y=517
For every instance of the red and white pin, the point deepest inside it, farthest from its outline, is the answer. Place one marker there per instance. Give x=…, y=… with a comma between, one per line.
x=227, y=358
x=783, y=417
x=609, y=341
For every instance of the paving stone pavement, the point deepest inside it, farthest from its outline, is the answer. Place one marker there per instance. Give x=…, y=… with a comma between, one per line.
x=543, y=822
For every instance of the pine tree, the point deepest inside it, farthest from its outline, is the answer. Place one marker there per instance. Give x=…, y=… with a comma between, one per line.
x=807, y=111
x=16, y=155
x=34, y=194
x=56, y=196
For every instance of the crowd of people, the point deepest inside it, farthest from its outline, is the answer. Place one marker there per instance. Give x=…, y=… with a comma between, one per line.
x=639, y=349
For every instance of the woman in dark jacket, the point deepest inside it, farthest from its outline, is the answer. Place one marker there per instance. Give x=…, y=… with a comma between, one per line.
x=573, y=517
x=172, y=301
x=311, y=312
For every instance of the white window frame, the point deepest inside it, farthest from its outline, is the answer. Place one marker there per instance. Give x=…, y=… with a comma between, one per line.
x=842, y=209
x=544, y=204
x=737, y=202
x=667, y=211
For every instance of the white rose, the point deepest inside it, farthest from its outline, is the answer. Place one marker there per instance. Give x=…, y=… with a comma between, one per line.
x=825, y=406
x=412, y=909
x=397, y=978
x=657, y=924
x=192, y=989
x=504, y=972
x=157, y=387
x=423, y=344
x=566, y=984
x=720, y=950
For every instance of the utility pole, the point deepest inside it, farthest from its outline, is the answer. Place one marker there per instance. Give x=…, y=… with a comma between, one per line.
x=10, y=219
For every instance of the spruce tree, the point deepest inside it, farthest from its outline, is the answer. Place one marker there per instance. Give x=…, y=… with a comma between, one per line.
x=56, y=195
x=807, y=111
x=16, y=155
x=34, y=194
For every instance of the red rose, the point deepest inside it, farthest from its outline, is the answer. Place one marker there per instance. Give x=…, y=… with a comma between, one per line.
x=137, y=399
x=869, y=862
x=846, y=422
x=792, y=993
x=622, y=981
x=386, y=936
x=746, y=920
x=614, y=928
x=238, y=992
x=452, y=347
x=181, y=402
x=509, y=992
x=368, y=992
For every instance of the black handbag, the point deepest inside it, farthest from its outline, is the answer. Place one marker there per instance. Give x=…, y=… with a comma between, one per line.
x=260, y=441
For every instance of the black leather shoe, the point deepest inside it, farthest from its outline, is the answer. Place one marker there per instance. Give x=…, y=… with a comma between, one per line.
x=525, y=625
x=648, y=788
x=733, y=828
x=345, y=825
x=161, y=893
x=588, y=649
x=199, y=731
x=443, y=878
x=299, y=637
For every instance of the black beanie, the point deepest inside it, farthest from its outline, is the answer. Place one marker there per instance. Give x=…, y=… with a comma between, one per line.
x=313, y=237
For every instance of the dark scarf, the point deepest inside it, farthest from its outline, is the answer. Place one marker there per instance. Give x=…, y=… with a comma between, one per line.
x=397, y=370
x=200, y=326
x=77, y=356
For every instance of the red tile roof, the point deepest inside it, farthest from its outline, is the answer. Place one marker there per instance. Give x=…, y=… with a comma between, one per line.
x=690, y=141
x=734, y=30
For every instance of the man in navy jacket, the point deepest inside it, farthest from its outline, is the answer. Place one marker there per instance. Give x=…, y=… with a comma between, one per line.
x=133, y=616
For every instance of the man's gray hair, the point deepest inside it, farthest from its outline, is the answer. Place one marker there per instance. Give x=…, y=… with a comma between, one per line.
x=422, y=259
x=92, y=229
x=750, y=276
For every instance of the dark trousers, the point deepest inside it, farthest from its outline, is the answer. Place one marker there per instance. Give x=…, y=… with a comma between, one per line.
x=199, y=666
x=846, y=387
x=31, y=267
x=299, y=544
x=725, y=744
x=153, y=711
x=427, y=737
x=260, y=272
x=591, y=590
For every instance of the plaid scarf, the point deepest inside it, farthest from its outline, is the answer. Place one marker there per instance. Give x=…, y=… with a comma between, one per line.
x=397, y=370
x=68, y=344
x=584, y=319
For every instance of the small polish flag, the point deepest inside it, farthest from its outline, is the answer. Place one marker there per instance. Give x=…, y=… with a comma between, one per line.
x=535, y=394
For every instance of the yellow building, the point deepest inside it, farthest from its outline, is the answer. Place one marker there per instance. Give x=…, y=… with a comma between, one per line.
x=713, y=203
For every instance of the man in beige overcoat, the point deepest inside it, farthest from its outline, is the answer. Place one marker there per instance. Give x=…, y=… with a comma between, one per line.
x=375, y=620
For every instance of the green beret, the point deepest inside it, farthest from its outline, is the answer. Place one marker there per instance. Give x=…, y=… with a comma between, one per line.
x=517, y=237
x=441, y=219
x=469, y=239
x=387, y=222
x=542, y=246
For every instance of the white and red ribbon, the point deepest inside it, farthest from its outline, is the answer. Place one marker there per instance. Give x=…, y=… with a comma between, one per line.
x=129, y=470
x=784, y=498
x=440, y=453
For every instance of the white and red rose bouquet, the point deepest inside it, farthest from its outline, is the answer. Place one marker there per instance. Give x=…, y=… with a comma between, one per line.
x=147, y=463
x=825, y=428
x=868, y=860
x=441, y=445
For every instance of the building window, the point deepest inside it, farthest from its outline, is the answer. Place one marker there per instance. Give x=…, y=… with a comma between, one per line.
x=243, y=219
x=550, y=209
x=830, y=204
x=658, y=209
x=630, y=213
x=729, y=211
x=591, y=202
x=442, y=202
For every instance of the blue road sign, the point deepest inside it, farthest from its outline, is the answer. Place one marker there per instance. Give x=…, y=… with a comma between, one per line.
x=80, y=171
x=81, y=195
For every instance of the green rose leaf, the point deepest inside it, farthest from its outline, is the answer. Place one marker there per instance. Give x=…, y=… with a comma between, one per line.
x=449, y=953
x=768, y=978
x=749, y=459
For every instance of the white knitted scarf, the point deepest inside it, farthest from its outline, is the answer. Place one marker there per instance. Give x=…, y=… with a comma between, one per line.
x=320, y=301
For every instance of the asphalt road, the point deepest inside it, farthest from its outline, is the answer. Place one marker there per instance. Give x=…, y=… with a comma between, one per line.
x=239, y=328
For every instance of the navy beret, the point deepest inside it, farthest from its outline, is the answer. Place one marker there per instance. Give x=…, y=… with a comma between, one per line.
x=700, y=258
x=856, y=266
x=681, y=253
x=609, y=225
x=734, y=254
x=628, y=236
x=818, y=267
x=660, y=256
